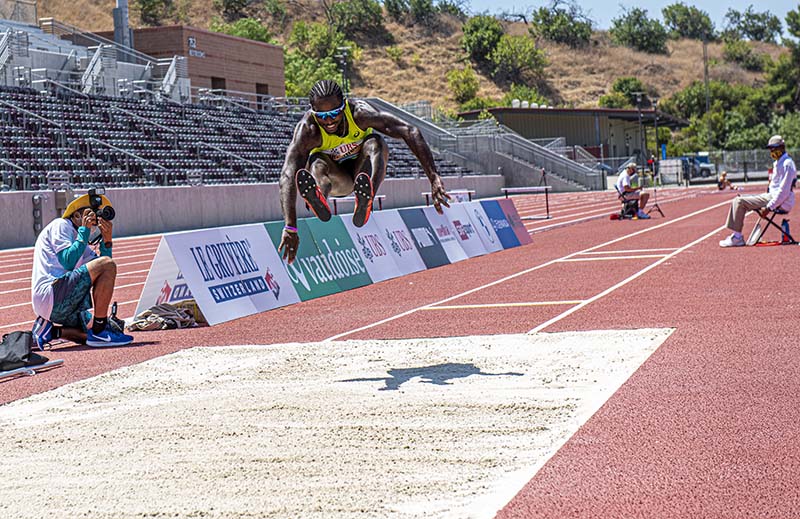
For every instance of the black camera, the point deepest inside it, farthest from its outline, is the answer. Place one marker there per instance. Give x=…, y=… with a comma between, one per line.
x=95, y=201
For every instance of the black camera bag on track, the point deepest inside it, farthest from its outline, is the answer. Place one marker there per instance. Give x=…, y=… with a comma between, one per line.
x=16, y=352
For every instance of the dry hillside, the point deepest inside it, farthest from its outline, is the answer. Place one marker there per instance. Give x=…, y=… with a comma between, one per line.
x=573, y=78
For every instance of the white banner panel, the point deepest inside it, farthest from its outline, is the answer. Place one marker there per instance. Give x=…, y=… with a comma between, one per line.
x=446, y=234
x=466, y=232
x=232, y=271
x=165, y=283
x=483, y=225
x=401, y=245
x=373, y=246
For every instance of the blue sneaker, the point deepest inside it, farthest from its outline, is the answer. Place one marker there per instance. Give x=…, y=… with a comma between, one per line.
x=42, y=333
x=108, y=337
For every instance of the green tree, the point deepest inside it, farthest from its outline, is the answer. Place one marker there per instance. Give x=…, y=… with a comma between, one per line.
x=562, y=22
x=249, y=28
x=355, y=17
x=231, y=9
x=753, y=25
x=457, y=8
x=478, y=103
x=311, y=56
x=688, y=22
x=397, y=9
x=481, y=35
x=629, y=86
x=152, y=12
x=463, y=83
x=516, y=58
x=635, y=30
x=423, y=12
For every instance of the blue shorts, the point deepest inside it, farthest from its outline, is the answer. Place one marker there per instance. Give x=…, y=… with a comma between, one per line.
x=72, y=296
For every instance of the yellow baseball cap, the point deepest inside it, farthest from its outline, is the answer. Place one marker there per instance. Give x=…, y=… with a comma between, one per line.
x=83, y=201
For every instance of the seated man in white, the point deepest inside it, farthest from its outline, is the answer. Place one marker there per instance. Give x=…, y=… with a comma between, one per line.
x=626, y=192
x=778, y=196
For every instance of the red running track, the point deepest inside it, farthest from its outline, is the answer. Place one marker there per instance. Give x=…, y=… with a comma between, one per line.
x=706, y=427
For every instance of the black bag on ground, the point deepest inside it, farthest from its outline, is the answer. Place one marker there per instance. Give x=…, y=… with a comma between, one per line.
x=16, y=352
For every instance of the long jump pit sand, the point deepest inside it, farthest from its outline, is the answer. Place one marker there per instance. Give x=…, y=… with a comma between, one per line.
x=449, y=427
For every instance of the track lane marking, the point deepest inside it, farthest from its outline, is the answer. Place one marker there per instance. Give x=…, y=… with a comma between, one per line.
x=624, y=281
x=502, y=305
x=612, y=258
x=630, y=251
x=523, y=272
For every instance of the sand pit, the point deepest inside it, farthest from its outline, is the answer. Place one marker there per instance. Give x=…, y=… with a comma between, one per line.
x=413, y=428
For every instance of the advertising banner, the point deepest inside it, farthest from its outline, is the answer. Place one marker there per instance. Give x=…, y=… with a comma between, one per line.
x=424, y=237
x=231, y=271
x=484, y=227
x=374, y=248
x=465, y=231
x=338, y=256
x=501, y=226
x=446, y=233
x=401, y=245
x=307, y=274
x=510, y=210
x=165, y=283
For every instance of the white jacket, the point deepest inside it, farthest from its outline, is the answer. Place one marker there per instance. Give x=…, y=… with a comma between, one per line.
x=780, y=185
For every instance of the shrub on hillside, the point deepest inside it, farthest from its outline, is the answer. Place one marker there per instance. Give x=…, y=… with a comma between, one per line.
x=481, y=35
x=457, y=8
x=152, y=12
x=561, y=22
x=231, y=9
x=423, y=12
x=397, y=9
x=614, y=100
x=740, y=52
x=478, y=103
x=752, y=25
x=688, y=22
x=462, y=83
x=311, y=56
x=355, y=17
x=635, y=30
x=249, y=28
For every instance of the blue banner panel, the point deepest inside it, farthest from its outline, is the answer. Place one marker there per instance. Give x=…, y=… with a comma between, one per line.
x=500, y=224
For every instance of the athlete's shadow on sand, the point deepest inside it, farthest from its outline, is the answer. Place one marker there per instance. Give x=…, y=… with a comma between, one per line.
x=439, y=374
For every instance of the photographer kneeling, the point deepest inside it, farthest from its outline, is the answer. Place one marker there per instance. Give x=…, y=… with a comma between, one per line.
x=68, y=276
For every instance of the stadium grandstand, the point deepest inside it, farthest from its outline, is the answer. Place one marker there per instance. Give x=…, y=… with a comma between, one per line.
x=82, y=110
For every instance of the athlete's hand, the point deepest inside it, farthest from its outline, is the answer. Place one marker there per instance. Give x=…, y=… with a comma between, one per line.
x=439, y=195
x=288, y=247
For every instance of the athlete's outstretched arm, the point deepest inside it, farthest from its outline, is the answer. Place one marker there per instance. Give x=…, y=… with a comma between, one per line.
x=303, y=141
x=367, y=116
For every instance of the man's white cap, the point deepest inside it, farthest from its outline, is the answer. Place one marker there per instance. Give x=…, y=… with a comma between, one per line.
x=631, y=165
x=775, y=141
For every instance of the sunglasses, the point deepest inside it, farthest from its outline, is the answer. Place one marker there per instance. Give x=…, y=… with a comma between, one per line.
x=330, y=114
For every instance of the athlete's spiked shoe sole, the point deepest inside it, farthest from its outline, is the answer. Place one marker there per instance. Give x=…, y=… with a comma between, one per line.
x=362, y=189
x=308, y=189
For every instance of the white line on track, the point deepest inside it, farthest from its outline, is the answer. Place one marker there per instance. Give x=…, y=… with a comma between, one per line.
x=623, y=282
x=613, y=258
x=630, y=251
x=27, y=303
x=502, y=305
x=118, y=265
x=527, y=271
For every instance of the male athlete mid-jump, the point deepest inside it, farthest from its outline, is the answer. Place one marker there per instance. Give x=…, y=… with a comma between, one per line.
x=335, y=142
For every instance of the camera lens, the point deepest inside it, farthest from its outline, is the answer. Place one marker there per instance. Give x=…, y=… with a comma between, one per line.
x=107, y=213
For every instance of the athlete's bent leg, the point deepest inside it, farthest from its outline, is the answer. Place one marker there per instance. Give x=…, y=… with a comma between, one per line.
x=373, y=159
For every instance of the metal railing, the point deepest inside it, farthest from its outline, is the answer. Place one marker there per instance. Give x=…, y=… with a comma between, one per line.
x=93, y=72
x=84, y=38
